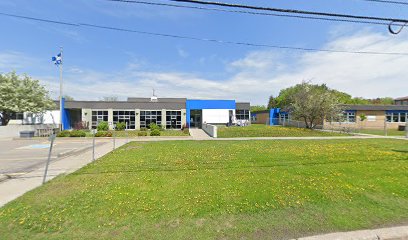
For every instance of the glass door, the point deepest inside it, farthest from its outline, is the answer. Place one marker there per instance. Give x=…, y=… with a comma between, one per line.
x=195, y=118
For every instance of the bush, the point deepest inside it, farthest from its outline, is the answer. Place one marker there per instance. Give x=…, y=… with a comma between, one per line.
x=77, y=133
x=103, y=134
x=155, y=132
x=154, y=126
x=103, y=126
x=81, y=126
x=143, y=129
x=120, y=126
x=142, y=134
x=64, y=133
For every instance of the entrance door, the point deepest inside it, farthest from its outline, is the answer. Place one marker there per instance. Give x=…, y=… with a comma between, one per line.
x=195, y=118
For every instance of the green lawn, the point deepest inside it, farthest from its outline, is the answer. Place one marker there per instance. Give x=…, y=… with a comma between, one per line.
x=390, y=132
x=224, y=189
x=261, y=130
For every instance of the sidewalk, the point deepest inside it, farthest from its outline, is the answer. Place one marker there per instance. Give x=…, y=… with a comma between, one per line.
x=393, y=233
x=15, y=187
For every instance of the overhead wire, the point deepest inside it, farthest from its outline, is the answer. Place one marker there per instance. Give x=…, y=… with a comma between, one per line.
x=388, y=2
x=249, y=12
x=391, y=21
x=197, y=38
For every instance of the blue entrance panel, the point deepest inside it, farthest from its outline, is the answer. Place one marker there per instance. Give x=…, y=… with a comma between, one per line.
x=207, y=104
x=273, y=116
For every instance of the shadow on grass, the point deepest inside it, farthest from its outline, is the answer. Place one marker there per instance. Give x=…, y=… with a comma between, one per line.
x=400, y=151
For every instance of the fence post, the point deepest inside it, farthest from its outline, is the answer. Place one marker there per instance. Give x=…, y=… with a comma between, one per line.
x=93, y=146
x=385, y=127
x=52, y=138
x=406, y=128
x=114, y=141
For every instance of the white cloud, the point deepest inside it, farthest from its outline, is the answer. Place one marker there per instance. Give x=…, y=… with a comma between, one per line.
x=182, y=53
x=255, y=76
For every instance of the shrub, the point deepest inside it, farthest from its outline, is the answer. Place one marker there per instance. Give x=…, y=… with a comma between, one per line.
x=81, y=126
x=154, y=126
x=143, y=129
x=64, y=133
x=103, y=126
x=142, y=134
x=120, y=126
x=77, y=133
x=155, y=132
x=103, y=134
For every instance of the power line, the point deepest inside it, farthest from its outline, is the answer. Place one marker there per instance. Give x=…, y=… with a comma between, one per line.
x=391, y=21
x=389, y=2
x=197, y=38
x=251, y=12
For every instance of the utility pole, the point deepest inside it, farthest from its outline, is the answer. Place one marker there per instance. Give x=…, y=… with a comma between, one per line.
x=61, y=86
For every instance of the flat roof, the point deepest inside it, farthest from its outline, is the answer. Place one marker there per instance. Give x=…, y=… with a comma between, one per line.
x=401, y=98
x=373, y=107
x=125, y=105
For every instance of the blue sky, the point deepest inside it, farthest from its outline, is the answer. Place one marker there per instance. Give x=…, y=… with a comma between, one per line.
x=109, y=63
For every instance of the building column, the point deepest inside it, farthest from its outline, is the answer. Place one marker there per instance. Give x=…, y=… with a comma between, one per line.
x=137, y=119
x=110, y=118
x=183, y=118
x=163, y=122
x=87, y=117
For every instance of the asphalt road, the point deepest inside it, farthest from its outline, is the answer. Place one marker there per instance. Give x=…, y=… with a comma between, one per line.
x=22, y=156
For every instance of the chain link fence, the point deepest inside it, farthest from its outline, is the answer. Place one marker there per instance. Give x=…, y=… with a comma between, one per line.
x=387, y=128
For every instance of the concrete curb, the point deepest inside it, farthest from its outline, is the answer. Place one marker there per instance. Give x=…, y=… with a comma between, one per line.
x=4, y=177
x=394, y=233
x=74, y=151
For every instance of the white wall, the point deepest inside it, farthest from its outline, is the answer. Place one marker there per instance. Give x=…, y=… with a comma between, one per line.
x=217, y=116
x=211, y=130
x=49, y=117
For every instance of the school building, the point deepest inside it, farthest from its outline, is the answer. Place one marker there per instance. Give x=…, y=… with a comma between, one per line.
x=376, y=116
x=136, y=113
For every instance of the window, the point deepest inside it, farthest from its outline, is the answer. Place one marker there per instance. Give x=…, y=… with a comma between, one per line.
x=242, y=114
x=147, y=117
x=99, y=116
x=284, y=116
x=397, y=116
x=173, y=119
x=127, y=117
x=16, y=116
x=389, y=117
x=349, y=117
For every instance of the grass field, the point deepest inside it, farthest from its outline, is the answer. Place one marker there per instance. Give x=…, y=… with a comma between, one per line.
x=261, y=130
x=390, y=132
x=232, y=189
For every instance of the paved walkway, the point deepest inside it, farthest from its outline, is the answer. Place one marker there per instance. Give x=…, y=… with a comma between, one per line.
x=199, y=134
x=12, y=188
x=394, y=233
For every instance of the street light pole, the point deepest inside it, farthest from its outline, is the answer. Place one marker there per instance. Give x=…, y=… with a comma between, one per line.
x=61, y=93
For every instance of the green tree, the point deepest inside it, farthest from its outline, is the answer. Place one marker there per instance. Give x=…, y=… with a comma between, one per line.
x=311, y=103
x=22, y=94
x=68, y=98
x=258, y=108
x=272, y=102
